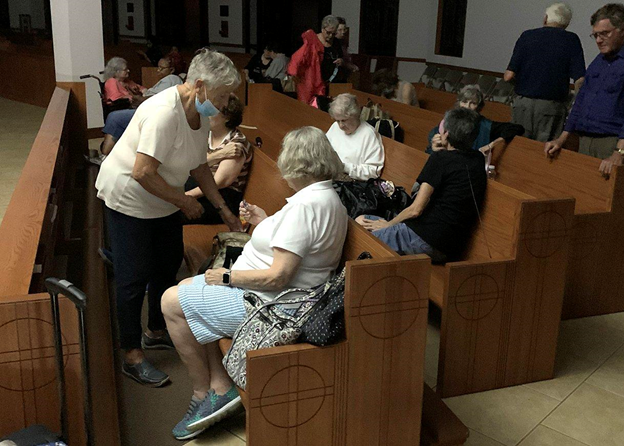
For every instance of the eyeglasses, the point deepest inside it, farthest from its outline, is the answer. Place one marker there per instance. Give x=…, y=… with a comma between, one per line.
x=163, y=68
x=602, y=34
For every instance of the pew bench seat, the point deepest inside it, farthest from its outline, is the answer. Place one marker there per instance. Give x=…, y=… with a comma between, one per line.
x=501, y=305
x=345, y=393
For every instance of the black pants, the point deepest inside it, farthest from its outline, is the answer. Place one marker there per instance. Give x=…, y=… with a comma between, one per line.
x=211, y=216
x=145, y=251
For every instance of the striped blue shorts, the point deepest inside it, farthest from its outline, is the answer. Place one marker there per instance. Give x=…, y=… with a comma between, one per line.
x=212, y=311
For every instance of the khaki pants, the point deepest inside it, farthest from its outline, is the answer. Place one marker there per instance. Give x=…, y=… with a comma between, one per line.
x=599, y=147
x=542, y=120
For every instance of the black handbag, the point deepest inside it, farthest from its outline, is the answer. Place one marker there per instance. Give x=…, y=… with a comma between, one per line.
x=372, y=197
x=326, y=324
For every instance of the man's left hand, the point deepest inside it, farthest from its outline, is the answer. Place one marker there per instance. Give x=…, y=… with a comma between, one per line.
x=606, y=166
x=214, y=276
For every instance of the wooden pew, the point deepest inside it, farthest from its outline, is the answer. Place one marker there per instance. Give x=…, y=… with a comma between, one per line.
x=350, y=393
x=594, y=258
x=594, y=275
x=415, y=122
x=441, y=101
x=53, y=227
x=501, y=306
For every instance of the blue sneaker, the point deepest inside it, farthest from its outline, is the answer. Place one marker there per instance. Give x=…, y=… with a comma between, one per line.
x=221, y=407
x=181, y=430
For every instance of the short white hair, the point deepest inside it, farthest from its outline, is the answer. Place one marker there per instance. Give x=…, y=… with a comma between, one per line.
x=307, y=153
x=214, y=69
x=114, y=65
x=559, y=13
x=345, y=105
x=329, y=21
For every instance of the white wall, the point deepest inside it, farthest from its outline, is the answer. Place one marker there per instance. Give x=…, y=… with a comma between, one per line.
x=492, y=28
x=79, y=48
x=35, y=8
x=235, y=25
x=350, y=10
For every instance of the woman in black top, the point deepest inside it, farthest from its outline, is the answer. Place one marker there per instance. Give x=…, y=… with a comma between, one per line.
x=452, y=186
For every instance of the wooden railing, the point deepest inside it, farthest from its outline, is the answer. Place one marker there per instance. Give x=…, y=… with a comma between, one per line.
x=53, y=227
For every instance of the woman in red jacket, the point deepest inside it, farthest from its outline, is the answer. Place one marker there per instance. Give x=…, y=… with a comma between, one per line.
x=318, y=62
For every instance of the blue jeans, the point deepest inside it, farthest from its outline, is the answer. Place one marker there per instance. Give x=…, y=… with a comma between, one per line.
x=117, y=122
x=402, y=239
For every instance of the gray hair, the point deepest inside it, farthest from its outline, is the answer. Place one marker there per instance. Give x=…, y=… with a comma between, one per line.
x=114, y=65
x=462, y=125
x=307, y=153
x=329, y=21
x=612, y=11
x=472, y=93
x=214, y=69
x=559, y=13
x=346, y=105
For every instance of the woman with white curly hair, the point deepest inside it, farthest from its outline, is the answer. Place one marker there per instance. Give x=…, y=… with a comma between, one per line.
x=357, y=143
x=142, y=185
x=297, y=247
x=117, y=84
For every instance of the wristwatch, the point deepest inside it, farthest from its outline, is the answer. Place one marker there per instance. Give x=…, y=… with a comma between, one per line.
x=227, y=277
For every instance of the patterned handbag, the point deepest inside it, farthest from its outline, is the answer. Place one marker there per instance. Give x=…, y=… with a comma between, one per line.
x=326, y=324
x=268, y=324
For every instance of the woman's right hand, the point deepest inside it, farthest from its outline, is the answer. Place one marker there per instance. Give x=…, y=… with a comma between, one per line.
x=191, y=207
x=251, y=213
x=436, y=143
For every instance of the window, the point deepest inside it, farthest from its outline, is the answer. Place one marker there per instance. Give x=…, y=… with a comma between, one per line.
x=451, y=27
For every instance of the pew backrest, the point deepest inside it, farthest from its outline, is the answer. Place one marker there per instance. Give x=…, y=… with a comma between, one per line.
x=415, y=122
x=523, y=166
x=494, y=239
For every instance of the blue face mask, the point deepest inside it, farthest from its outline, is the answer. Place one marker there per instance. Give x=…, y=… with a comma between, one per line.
x=205, y=109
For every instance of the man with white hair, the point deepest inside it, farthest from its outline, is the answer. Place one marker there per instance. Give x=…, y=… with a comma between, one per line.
x=543, y=62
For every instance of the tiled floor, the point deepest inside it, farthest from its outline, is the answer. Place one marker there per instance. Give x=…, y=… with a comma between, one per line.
x=583, y=405
x=19, y=124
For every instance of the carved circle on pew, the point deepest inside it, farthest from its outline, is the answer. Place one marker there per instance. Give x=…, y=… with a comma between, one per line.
x=387, y=320
x=585, y=236
x=545, y=235
x=36, y=358
x=305, y=402
x=477, y=297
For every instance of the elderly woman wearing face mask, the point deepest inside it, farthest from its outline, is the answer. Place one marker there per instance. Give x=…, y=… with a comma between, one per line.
x=142, y=185
x=357, y=143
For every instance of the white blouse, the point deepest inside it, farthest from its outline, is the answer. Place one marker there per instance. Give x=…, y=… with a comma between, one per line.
x=361, y=152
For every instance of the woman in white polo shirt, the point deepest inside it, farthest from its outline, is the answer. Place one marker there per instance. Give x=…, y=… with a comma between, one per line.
x=357, y=143
x=299, y=246
x=142, y=185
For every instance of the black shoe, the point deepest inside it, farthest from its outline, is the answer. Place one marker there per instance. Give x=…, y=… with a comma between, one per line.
x=145, y=373
x=161, y=343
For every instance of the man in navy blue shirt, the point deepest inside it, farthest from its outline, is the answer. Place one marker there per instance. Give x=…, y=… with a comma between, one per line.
x=598, y=113
x=543, y=61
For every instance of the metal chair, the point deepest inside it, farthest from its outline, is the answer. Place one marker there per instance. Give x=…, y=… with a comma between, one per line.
x=438, y=78
x=467, y=79
x=502, y=92
x=451, y=80
x=428, y=74
x=487, y=83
